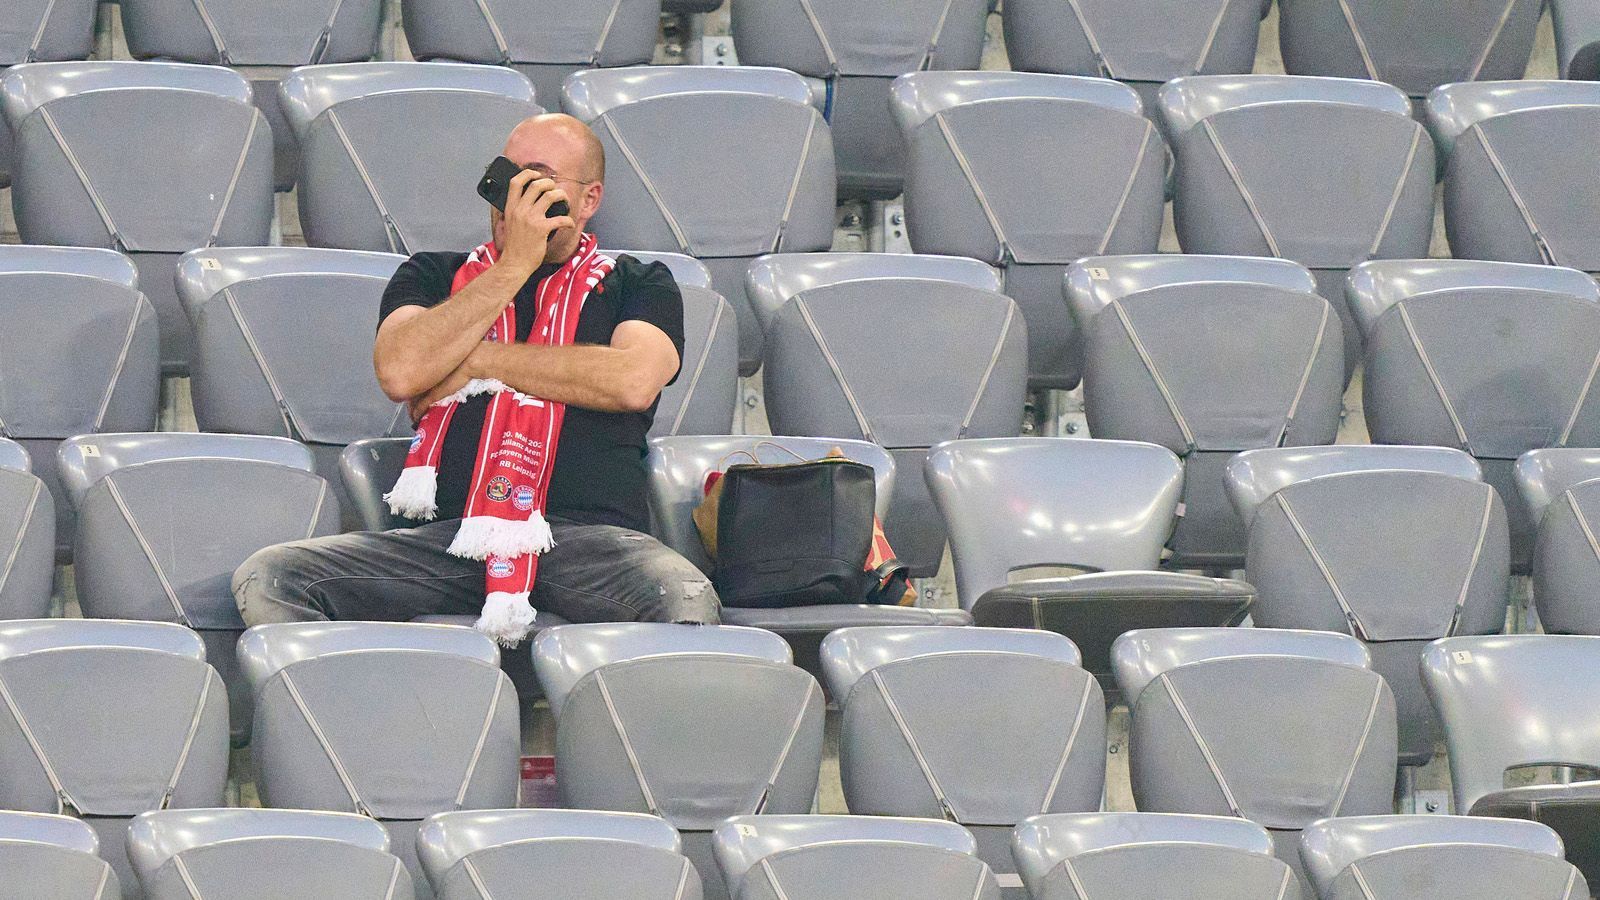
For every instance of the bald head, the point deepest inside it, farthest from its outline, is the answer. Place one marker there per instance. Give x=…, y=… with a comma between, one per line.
x=560, y=144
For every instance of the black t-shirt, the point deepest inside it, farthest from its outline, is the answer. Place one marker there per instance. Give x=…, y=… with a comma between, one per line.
x=600, y=476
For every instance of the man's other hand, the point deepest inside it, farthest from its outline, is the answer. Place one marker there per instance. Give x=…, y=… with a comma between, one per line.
x=527, y=229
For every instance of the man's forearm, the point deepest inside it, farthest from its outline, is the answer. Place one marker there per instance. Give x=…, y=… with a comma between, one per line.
x=607, y=379
x=413, y=355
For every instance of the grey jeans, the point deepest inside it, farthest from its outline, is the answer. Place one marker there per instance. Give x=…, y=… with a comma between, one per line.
x=594, y=573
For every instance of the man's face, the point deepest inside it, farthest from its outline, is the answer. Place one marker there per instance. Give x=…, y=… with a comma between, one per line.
x=555, y=152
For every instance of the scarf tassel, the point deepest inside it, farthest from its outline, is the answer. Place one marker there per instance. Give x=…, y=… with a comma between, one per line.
x=481, y=537
x=414, y=493
x=507, y=617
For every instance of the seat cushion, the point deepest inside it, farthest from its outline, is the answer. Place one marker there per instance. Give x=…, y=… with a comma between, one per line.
x=1573, y=810
x=804, y=627
x=1095, y=609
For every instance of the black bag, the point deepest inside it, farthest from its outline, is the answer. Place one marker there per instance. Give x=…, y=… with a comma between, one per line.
x=794, y=534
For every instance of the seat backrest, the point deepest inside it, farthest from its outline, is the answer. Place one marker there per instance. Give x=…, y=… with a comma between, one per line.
x=1109, y=505
x=1544, y=476
x=49, y=855
x=773, y=165
x=142, y=688
x=1510, y=701
x=1514, y=188
x=47, y=30
x=1219, y=724
x=771, y=280
x=391, y=720
x=1407, y=43
x=369, y=468
x=1577, y=27
x=679, y=465
x=590, y=33
x=138, y=156
x=686, y=270
x=280, y=333
x=823, y=38
x=245, y=33
x=1331, y=846
x=1371, y=194
x=1383, y=554
x=567, y=852
x=362, y=185
x=745, y=735
x=835, y=856
x=1167, y=361
x=28, y=527
x=301, y=853
x=827, y=374
x=902, y=754
x=159, y=538
x=1150, y=42
x=703, y=398
x=1255, y=475
x=81, y=354
x=1495, y=360
x=1017, y=167
x=1140, y=853
x=14, y=456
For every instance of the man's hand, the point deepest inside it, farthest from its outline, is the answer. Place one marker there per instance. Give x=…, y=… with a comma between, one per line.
x=527, y=229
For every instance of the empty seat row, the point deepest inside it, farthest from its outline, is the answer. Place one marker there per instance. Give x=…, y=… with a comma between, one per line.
x=981, y=727
x=1028, y=172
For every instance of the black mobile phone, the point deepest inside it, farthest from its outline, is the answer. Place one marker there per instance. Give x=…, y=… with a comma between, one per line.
x=496, y=183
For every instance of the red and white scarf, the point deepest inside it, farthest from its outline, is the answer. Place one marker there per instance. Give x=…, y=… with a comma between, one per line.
x=503, y=523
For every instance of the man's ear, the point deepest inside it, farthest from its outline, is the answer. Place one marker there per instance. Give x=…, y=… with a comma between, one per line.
x=591, y=199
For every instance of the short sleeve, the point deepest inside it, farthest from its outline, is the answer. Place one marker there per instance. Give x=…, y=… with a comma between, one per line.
x=423, y=280
x=650, y=294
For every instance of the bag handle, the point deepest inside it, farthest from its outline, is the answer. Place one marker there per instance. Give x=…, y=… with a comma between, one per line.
x=751, y=452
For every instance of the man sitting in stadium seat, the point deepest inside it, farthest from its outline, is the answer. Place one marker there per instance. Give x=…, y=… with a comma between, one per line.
x=590, y=380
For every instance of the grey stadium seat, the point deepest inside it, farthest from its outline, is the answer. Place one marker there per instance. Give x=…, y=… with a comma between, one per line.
x=678, y=468
x=281, y=337
x=152, y=159
x=567, y=853
x=35, y=30
x=1558, y=489
x=260, y=854
x=827, y=374
x=858, y=50
x=262, y=40
x=1413, y=44
x=28, y=529
x=850, y=858
x=1207, y=356
x=902, y=752
x=395, y=721
x=1347, y=177
x=744, y=737
x=1030, y=172
x=546, y=40
x=1522, y=700
x=1577, y=27
x=164, y=519
x=1145, y=45
x=1513, y=188
x=1279, y=727
x=144, y=725
x=1397, y=546
x=362, y=184
x=52, y=856
x=1492, y=358
x=78, y=356
x=1110, y=505
x=1083, y=856
x=1362, y=857
x=772, y=168
x=705, y=395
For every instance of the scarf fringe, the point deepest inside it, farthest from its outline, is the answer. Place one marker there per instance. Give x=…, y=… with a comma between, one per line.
x=472, y=389
x=507, y=617
x=481, y=537
x=415, y=493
